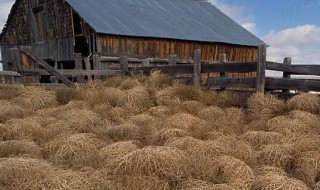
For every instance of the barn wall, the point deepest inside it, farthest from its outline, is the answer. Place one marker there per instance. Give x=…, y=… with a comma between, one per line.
x=183, y=49
x=56, y=25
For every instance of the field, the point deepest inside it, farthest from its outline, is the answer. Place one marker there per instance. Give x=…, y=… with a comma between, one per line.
x=156, y=134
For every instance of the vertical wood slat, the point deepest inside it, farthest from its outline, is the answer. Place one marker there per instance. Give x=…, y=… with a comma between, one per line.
x=197, y=67
x=96, y=64
x=123, y=65
x=16, y=60
x=261, y=69
x=287, y=61
x=78, y=66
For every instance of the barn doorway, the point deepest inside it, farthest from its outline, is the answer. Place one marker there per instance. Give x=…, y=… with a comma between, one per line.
x=81, y=43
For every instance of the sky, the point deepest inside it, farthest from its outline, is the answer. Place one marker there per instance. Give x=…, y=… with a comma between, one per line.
x=290, y=27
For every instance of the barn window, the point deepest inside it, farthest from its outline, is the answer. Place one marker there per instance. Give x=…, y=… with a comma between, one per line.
x=40, y=24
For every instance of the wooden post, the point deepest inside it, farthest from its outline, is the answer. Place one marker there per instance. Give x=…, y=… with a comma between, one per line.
x=78, y=66
x=16, y=60
x=88, y=67
x=197, y=67
x=261, y=69
x=223, y=59
x=123, y=65
x=172, y=59
x=96, y=64
x=287, y=61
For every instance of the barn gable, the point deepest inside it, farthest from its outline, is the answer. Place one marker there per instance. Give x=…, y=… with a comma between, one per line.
x=170, y=19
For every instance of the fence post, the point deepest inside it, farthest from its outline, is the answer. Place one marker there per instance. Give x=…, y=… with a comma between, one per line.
x=172, y=59
x=96, y=64
x=124, y=65
x=78, y=66
x=197, y=67
x=16, y=61
x=223, y=59
x=88, y=67
x=287, y=61
x=261, y=69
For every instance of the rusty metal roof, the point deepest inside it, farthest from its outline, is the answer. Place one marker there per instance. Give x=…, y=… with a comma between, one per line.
x=171, y=19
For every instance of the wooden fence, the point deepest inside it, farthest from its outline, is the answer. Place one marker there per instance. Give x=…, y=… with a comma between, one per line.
x=99, y=66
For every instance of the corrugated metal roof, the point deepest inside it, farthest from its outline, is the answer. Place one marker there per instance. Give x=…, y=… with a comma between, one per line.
x=172, y=19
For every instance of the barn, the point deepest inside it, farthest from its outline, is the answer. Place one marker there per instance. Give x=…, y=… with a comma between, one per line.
x=58, y=29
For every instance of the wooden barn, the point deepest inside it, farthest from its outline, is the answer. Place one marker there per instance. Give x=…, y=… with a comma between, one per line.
x=57, y=30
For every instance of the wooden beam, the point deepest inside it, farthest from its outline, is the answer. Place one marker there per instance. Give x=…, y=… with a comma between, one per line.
x=286, y=61
x=172, y=60
x=10, y=73
x=223, y=60
x=197, y=67
x=16, y=61
x=88, y=67
x=47, y=67
x=261, y=70
x=294, y=69
x=232, y=82
x=74, y=72
x=240, y=67
x=292, y=84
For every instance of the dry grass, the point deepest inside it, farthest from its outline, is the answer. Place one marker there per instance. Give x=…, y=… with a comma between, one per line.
x=192, y=107
x=111, y=153
x=9, y=110
x=307, y=167
x=24, y=173
x=28, y=128
x=136, y=100
x=129, y=83
x=264, y=106
x=184, y=121
x=313, y=120
x=234, y=173
x=305, y=102
x=165, y=163
x=264, y=170
x=124, y=132
x=22, y=148
x=203, y=185
x=212, y=113
x=75, y=151
x=257, y=139
x=126, y=182
x=166, y=134
x=66, y=95
x=278, y=155
x=274, y=181
x=161, y=111
x=34, y=98
x=166, y=97
x=158, y=81
x=8, y=93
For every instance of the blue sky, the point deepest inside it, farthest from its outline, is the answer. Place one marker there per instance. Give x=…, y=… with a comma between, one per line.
x=290, y=27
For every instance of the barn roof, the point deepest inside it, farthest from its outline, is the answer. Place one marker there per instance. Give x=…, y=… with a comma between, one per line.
x=194, y=20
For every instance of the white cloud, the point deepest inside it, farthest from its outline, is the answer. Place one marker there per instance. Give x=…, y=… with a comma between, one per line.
x=238, y=13
x=301, y=43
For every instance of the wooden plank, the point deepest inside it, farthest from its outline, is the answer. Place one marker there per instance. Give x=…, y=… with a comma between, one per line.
x=10, y=73
x=197, y=67
x=78, y=66
x=261, y=70
x=286, y=61
x=47, y=67
x=231, y=82
x=294, y=69
x=292, y=84
x=74, y=72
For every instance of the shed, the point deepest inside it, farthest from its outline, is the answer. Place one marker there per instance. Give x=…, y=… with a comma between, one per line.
x=57, y=29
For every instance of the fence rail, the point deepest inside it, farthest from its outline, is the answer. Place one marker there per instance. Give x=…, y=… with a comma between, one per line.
x=100, y=66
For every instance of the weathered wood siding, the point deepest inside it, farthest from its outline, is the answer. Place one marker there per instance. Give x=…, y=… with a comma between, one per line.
x=23, y=28
x=162, y=48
